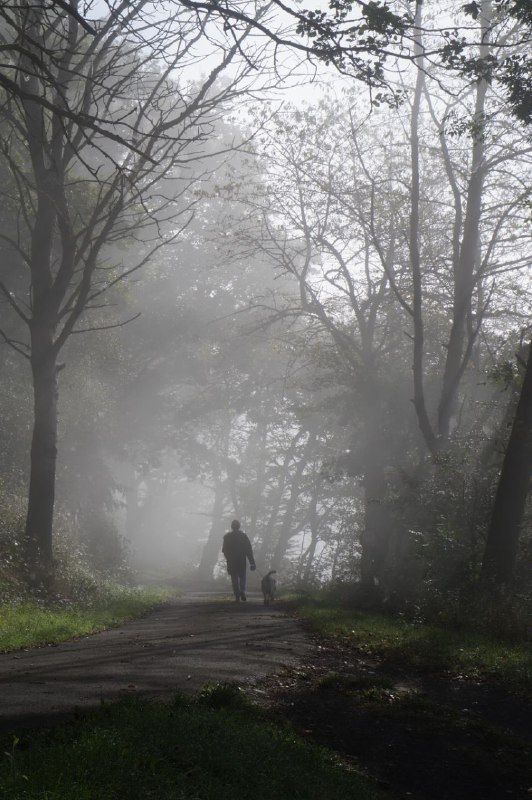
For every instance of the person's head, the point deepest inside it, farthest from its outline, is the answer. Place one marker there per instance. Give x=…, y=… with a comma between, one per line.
x=235, y=525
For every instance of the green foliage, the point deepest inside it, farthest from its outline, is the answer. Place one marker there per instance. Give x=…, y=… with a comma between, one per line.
x=106, y=549
x=89, y=556
x=340, y=38
x=516, y=77
x=138, y=750
x=504, y=374
x=443, y=514
x=81, y=599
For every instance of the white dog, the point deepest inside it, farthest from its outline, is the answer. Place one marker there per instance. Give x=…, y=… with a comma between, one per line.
x=268, y=585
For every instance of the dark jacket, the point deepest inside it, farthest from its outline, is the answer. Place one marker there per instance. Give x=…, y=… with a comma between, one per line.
x=236, y=548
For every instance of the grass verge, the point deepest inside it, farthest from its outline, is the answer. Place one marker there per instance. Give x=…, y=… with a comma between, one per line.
x=211, y=748
x=421, y=646
x=28, y=623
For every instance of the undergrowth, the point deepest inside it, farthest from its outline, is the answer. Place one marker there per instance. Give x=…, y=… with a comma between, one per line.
x=455, y=652
x=79, y=598
x=216, y=747
x=30, y=622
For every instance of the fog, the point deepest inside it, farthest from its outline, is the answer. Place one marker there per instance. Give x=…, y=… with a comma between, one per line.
x=263, y=283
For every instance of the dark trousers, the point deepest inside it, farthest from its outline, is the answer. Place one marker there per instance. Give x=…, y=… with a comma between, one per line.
x=238, y=579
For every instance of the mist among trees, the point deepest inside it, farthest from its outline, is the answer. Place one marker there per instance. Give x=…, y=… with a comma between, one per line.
x=272, y=264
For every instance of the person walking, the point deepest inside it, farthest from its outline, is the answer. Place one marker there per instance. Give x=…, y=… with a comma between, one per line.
x=237, y=551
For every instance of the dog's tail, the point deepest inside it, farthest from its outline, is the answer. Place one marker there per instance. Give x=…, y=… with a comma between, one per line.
x=271, y=572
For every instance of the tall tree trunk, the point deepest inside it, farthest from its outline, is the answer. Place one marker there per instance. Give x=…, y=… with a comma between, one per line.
x=265, y=548
x=274, y=500
x=213, y=545
x=460, y=345
x=295, y=490
x=334, y=567
x=314, y=532
x=466, y=254
x=43, y=320
x=413, y=246
x=41, y=496
x=224, y=487
x=286, y=531
x=131, y=480
x=375, y=539
x=258, y=442
x=512, y=492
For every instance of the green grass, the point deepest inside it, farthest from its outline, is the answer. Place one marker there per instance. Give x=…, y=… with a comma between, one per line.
x=427, y=647
x=27, y=623
x=213, y=748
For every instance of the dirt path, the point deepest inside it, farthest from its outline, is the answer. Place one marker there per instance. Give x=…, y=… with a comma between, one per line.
x=197, y=639
x=422, y=737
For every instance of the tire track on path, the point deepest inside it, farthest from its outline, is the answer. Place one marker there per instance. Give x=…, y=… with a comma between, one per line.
x=195, y=639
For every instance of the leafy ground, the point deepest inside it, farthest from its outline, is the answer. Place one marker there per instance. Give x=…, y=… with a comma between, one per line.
x=428, y=712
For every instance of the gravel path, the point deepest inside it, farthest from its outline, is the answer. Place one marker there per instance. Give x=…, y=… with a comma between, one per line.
x=196, y=639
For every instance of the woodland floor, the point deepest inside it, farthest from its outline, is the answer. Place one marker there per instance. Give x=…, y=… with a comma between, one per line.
x=420, y=735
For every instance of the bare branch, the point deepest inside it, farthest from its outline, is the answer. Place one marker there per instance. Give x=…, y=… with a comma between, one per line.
x=20, y=347
x=106, y=327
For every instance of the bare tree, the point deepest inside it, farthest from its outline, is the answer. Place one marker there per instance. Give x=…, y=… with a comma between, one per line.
x=380, y=245
x=466, y=240
x=103, y=126
x=315, y=220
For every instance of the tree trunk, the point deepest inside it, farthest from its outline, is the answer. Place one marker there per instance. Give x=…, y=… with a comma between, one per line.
x=286, y=532
x=131, y=480
x=466, y=254
x=274, y=501
x=510, y=499
x=264, y=551
x=41, y=497
x=377, y=533
x=460, y=345
x=314, y=532
x=258, y=445
x=414, y=247
x=213, y=545
x=43, y=322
